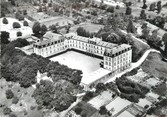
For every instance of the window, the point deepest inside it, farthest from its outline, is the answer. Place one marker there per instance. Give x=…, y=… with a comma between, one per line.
x=106, y=63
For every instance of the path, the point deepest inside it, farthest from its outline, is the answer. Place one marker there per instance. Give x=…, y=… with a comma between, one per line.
x=134, y=65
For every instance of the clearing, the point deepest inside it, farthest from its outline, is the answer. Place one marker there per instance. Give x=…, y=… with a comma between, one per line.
x=155, y=65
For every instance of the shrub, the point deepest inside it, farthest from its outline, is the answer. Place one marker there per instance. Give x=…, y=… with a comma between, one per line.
x=15, y=100
x=19, y=33
x=6, y=111
x=5, y=21
x=78, y=110
x=16, y=25
x=103, y=110
x=25, y=23
x=9, y=94
x=32, y=107
x=12, y=115
x=24, y=12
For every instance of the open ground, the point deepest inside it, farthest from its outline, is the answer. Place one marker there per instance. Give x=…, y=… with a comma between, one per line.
x=79, y=61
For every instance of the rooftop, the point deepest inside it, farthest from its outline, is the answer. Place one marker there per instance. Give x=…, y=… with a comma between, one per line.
x=95, y=39
x=118, y=48
x=117, y=105
x=49, y=37
x=94, y=76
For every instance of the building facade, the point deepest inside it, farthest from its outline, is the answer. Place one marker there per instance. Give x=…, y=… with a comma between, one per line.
x=118, y=59
x=115, y=57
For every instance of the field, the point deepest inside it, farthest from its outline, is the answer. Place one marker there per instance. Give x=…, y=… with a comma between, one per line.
x=26, y=30
x=25, y=103
x=78, y=61
x=154, y=65
x=87, y=26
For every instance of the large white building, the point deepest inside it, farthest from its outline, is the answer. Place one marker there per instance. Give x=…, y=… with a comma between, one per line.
x=115, y=57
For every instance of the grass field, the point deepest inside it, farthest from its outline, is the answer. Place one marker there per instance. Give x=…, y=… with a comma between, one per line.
x=88, y=27
x=154, y=65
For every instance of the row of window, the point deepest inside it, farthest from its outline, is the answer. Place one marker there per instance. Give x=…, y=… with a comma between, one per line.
x=49, y=44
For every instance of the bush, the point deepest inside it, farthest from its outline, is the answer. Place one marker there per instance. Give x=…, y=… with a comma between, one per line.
x=78, y=110
x=103, y=110
x=19, y=16
x=19, y=34
x=9, y=94
x=16, y=25
x=12, y=115
x=5, y=21
x=6, y=111
x=15, y=100
x=25, y=23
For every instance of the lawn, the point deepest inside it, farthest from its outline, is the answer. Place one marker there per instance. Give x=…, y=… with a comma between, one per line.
x=26, y=30
x=78, y=61
x=25, y=100
x=155, y=66
x=94, y=28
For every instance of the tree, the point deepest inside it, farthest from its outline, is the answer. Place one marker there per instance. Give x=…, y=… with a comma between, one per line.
x=13, y=2
x=36, y=28
x=100, y=87
x=94, y=13
x=6, y=111
x=25, y=23
x=15, y=100
x=43, y=29
x=19, y=34
x=78, y=110
x=152, y=7
x=110, y=9
x=24, y=12
x=12, y=115
x=143, y=15
x=144, y=6
x=159, y=7
x=53, y=28
x=144, y=25
x=5, y=21
x=128, y=11
x=145, y=33
x=103, y=110
x=9, y=94
x=154, y=40
x=4, y=37
x=19, y=16
x=39, y=9
x=131, y=27
x=159, y=21
x=16, y=25
x=164, y=38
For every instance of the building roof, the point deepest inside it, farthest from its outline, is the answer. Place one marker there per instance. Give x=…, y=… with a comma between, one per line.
x=118, y=48
x=95, y=39
x=94, y=76
x=49, y=37
x=117, y=105
x=106, y=44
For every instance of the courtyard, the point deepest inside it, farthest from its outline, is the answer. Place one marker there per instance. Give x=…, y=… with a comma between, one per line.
x=78, y=61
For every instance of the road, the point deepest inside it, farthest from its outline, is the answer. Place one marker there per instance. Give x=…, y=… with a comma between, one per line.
x=134, y=65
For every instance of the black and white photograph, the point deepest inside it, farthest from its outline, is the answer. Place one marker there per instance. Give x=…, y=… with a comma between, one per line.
x=83, y=58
